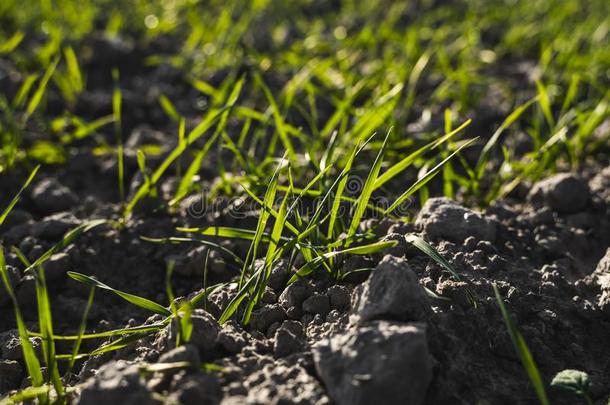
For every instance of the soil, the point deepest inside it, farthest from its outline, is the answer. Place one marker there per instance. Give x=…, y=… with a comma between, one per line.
x=378, y=338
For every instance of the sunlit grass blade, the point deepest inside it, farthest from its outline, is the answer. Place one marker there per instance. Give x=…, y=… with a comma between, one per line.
x=431, y=252
x=425, y=179
x=277, y=118
x=45, y=322
x=117, y=103
x=484, y=156
x=141, y=302
x=522, y=350
x=81, y=330
x=67, y=239
x=208, y=121
x=40, y=90
x=29, y=355
x=367, y=189
x=169, y=108
x=15, y=199
x=371, y=248
x=411, y=158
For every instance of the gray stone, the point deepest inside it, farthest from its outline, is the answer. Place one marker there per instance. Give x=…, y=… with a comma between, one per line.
x=602, y=273
x=280, y=274
x=50, y=196
x=317, y=304
x=10, y=375
x=339, y=296
x=295, y=294
x=564, y=192
x=262, y=318
x=279, y=384
x=288, y=339
x=57, y=266
x=204, y=334
x=54, y=227
x=381, y=363
x=232, y=337
x=117, y=382
x=444, y=218
x=185, y=353
x=196, y=389
x=393, y=292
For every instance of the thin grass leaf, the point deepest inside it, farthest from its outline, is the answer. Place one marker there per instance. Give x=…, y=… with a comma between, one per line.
x=15, y=199
x=367, y=189
x=67, y=239
x=484, y=156
x=74, y=72
x=117, y=103
x=431, y=252
x=45, y=322
x=81, y=330
x=371, y=248
x=27, y=394
x=169, y=108
x=40, y=90
x=277, y=118
x=200, y=241
x=410, y=159
x=522, y=350
x=141, y=302
x=425, y=179
x=29, y=355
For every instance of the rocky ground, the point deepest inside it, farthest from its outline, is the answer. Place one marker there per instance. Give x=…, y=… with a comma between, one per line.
x=376, y=338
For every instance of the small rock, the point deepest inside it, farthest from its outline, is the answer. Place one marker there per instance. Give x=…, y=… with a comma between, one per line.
x=444, y=218
x=57, y=266
x=317, y=304
x=295, y=293
x=280, y=273
x=10, y=345
x=232, y=337
x=10, y=375
x=54, y=227
x=339, y=296
x=197, y=389
x=185, y=353
x=265, y=316
x=603, y=280
x=280, y=384
x=204, y=334
x=51, y=196
x=392, y=291
x=116, y=382
x=563, y=192
x=288, y=339
x=381, y=363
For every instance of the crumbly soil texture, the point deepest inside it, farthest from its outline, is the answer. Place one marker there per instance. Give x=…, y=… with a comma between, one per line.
x=405, y=332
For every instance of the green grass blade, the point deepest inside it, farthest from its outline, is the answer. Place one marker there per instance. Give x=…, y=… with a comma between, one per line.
x=40, y=90
x=141, y=302
x=81, y=330
x=15, y=199
x=484, y=156
x=67, y=239
x=522, y=350
x=367, y=189
x=45, y=322
x=431, y=252
x=425, y=179
x=408, y=161
x=29, y=355
x=277, y=118
x=371, y=248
